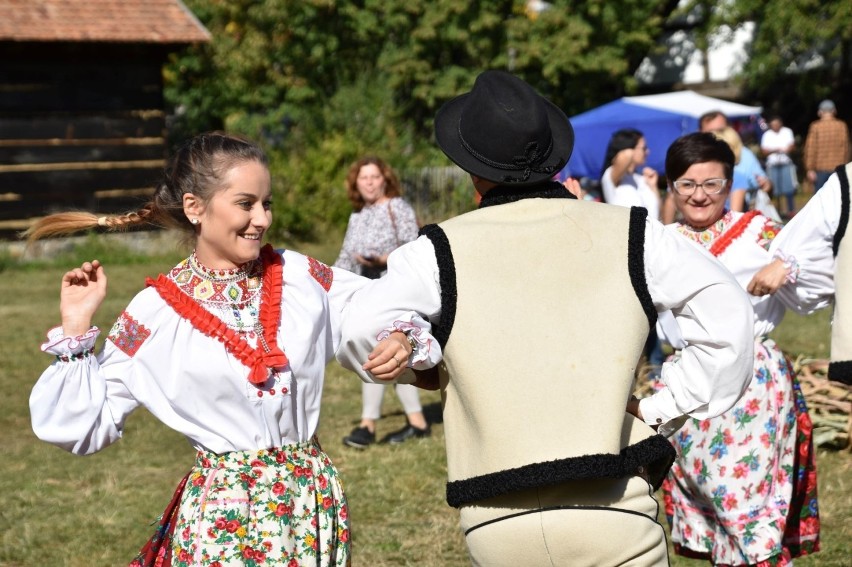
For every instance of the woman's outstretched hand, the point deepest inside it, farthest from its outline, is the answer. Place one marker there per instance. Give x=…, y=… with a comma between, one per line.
x=83, y=290
x=390, y=357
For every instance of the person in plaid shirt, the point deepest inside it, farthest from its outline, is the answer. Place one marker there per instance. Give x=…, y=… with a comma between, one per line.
x=826, y=146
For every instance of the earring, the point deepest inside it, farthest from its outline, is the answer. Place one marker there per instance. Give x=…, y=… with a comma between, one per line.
x=193, y=221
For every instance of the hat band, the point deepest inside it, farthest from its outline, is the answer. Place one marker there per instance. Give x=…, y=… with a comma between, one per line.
x=529, y=162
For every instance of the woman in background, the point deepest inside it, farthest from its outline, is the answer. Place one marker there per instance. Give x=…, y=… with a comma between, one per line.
x=380, y=222
x=625, y=181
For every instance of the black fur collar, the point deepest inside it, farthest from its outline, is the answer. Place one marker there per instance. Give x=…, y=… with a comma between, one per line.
x=503, y=194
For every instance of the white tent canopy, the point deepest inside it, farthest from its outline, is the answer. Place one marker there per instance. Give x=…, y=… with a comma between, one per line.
x=693, y=104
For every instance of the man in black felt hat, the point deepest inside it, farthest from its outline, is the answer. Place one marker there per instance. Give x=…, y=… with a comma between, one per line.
x=532, y=312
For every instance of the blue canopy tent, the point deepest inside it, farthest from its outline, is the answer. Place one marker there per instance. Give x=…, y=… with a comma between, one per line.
x=661, y=118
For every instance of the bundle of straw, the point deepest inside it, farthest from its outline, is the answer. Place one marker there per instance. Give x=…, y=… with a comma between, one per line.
x=829, y=404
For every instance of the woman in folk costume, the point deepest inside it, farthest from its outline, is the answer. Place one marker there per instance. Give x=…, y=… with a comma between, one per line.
x=814, y=247
x=229, y=348
x=743, y=488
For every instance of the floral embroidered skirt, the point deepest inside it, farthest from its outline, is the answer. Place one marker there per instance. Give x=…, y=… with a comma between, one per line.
x=282, y=506
x=743, y=489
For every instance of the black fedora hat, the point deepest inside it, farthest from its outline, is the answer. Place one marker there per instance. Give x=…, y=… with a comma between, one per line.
x=504, y=131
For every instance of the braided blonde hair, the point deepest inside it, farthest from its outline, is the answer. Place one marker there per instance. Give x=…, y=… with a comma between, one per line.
x=197, y=168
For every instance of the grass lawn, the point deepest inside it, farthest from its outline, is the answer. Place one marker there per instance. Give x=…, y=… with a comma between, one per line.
x=96, y=511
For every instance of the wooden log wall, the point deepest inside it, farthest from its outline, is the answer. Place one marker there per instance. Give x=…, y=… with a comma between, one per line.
x=78, y=130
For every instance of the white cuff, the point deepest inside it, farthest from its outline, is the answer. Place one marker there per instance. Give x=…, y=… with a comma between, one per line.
x=60, y=345
x=422, y=340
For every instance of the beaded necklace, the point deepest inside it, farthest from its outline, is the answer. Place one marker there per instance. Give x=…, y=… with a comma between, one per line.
x=232, y=295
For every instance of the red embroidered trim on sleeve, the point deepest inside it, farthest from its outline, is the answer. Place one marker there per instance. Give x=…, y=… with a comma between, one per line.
x=128, y=334
x=322, y=273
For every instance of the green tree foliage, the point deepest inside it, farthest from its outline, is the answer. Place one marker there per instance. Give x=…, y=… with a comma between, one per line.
x=322, y=82
x=800, y=53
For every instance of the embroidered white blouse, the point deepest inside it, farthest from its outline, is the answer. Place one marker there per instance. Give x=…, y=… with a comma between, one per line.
x=156, y=359
x=743, y=257
x=711, y=310
x=806, y=243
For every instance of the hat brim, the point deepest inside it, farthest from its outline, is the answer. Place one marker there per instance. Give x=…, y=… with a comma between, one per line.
x=447, y=136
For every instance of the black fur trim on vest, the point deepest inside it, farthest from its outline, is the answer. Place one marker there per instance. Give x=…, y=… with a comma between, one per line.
x=655, y=455
x=844, y=208
x=840, y=371
x=636, y=262
x=447, y=280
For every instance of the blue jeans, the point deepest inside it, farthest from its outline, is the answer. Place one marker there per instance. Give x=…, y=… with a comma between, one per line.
x=821, y=178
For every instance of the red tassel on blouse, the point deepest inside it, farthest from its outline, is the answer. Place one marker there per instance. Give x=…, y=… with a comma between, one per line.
x=260, y=361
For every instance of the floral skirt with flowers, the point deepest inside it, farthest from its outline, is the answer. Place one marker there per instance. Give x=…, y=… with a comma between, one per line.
x=743, y=489
x=282, y=506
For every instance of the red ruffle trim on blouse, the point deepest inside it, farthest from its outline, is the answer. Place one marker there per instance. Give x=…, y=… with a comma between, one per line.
x=260, y=361
x=721, y=244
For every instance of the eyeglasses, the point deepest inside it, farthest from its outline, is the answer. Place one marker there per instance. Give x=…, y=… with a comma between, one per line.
x=710, y=186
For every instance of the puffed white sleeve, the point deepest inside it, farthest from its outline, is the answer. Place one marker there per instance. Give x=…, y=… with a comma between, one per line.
x=715, y=321
x=80, y=402
x=407, y=298
x=805, y=247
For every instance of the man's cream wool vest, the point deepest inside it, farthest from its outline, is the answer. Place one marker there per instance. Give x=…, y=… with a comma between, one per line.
x=546, y=312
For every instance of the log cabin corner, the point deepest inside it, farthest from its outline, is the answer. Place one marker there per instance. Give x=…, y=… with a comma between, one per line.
x=82, y=114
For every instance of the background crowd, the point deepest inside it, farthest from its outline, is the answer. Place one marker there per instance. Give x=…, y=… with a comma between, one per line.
x=773, y=165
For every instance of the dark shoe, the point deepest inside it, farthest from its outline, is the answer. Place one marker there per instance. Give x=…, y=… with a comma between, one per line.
x=407, y=433
x=360, y=438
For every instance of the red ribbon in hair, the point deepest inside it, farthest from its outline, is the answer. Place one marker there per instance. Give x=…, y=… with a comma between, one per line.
x=260, y=361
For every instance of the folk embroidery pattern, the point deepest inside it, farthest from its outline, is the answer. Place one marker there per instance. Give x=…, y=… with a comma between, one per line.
x=322, y=273
x=128, y=334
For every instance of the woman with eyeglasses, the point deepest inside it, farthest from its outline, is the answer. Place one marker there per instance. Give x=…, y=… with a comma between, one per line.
x=625, y=180
x=743, y=488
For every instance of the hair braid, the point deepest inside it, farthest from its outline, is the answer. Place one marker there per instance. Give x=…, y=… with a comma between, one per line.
x=197, y=168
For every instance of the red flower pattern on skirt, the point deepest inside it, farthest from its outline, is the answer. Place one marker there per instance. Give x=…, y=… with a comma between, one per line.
x=743, y=488
x=282, y=506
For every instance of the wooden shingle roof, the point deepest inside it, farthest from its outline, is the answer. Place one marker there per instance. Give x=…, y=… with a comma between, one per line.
x=123, y=21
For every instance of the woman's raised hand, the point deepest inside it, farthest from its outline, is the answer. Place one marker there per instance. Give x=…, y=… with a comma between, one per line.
x=651, y=177
x=83, y=290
